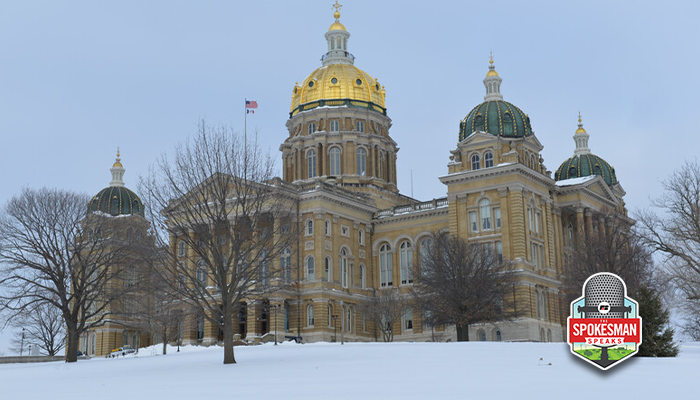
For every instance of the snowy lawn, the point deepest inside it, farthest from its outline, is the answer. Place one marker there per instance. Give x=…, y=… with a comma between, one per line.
x=423, y=371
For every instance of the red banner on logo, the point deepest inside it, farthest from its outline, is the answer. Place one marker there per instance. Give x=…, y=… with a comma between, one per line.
x=604, y=331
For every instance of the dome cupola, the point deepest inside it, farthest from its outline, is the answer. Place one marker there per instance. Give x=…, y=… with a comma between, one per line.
x=116, y=199
x=495, y=116
x=338, y=82
x=584, y=163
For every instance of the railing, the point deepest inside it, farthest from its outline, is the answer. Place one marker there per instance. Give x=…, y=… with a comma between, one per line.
x=426, y=205
x=343, y=53
x=338, y=103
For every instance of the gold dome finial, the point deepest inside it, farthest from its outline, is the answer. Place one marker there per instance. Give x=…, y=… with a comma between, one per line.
x=117, y=163
x=337, y=6
x=580, y=124
x=492, y=68
x=337, y=25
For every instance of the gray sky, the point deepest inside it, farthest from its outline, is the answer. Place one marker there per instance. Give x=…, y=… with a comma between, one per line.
x=79, y=78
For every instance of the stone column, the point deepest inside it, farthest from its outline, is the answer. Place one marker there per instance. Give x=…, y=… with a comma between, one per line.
x=579, y=224
x=506, y=234
x=518, y=239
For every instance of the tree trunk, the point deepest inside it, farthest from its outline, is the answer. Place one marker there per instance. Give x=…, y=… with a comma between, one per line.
x=228, y=334
x=165, y=339
x=72, y=344
x=462, y=333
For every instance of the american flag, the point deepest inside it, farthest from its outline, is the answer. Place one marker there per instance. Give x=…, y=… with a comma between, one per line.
x=251, y=104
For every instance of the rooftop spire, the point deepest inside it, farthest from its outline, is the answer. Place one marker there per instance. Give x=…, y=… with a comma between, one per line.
x=117, y=172
x=492, y=83
x=337, y=37
x=581, y=139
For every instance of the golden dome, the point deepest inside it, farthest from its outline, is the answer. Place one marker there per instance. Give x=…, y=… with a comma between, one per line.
x=337, y=26
x=117, y=164
x=492, y=70
x=338, y=81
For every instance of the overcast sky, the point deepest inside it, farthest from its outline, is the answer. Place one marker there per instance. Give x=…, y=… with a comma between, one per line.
x=80, y=78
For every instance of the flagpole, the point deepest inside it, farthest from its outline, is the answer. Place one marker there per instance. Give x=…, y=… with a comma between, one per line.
x=245, y=123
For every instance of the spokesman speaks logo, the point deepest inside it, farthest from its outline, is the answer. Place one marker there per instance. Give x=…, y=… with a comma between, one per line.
x=604, y=326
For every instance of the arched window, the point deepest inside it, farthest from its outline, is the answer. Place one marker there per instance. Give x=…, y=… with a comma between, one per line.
x=310, y=269
x=361, y=236
x=549, y=335
x=335, y=126
x=385, y=272
x=363, y=277
x=571, y=234
x=408, y=319
x=426, y=248
x=596, y=170
x=406, y=262
x=310, y=315
x=344, y=268
x=360, y=126
x=335, y=160
x=572, y=172
x=309, y=227
x=202, y=273
x=542, y=337
x=328, y=227
x=311, y=161
x=475, y=162
x=348, y=319
x=312, y=128
x=482, y=335
x=485, y=211
x=181, y=248
x=533, y=164
x=488, y=159
x=361, y=162
x=327, y=270
x=286, y=265
x=498, y=336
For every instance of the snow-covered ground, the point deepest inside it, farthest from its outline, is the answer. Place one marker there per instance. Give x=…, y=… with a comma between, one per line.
x=475, y=370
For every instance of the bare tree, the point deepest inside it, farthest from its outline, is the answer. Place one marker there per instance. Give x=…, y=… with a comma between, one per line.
x=226, y=219
x=464, y=283
x=615, y=247
x=52, y=251
x=385, y=309
x=43, y=326
x=675, y=232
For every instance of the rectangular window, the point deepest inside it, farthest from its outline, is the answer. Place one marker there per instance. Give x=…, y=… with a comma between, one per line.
x=531, y=219
x=345, y=231
x=499, y=251
x=537, y=256
x=538, y=222
x=408, y=319
x=497, y=216
x=473, y=221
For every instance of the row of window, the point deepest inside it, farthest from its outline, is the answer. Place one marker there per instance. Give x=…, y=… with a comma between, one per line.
x=344, y=230
x=345, y=269
x=335, y=157
x=484, y=219
x=335, y=126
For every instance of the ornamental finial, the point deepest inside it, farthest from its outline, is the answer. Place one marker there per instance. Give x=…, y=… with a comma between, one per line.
x=337, y=6
x=491, y=60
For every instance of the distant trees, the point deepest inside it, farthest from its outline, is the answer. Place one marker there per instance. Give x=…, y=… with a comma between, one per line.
x=385, y=309
x=615, y=247
x=52, y=252
x=225, y=220
x=464, y=283
x=675, y=232
x=43, y=327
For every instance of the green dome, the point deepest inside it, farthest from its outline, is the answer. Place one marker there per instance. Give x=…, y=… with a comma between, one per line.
x=116, y=200
x=497, y=117
x=586, y=165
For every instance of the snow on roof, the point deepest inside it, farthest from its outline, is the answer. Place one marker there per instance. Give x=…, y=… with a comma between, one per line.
x=575, y=181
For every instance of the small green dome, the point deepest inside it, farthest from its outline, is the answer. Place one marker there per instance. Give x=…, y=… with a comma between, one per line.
x=586, y=165
x=116, y=200
x=497, y=117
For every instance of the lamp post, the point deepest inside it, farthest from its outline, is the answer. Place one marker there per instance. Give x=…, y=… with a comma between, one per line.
x=21, y=346
x=335, y=327
x=275, y=307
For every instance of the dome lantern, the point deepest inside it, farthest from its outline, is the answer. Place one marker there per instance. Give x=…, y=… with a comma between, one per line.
x=117, y=172
x=492, y=82
x=581, y=139
x=337, y=38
